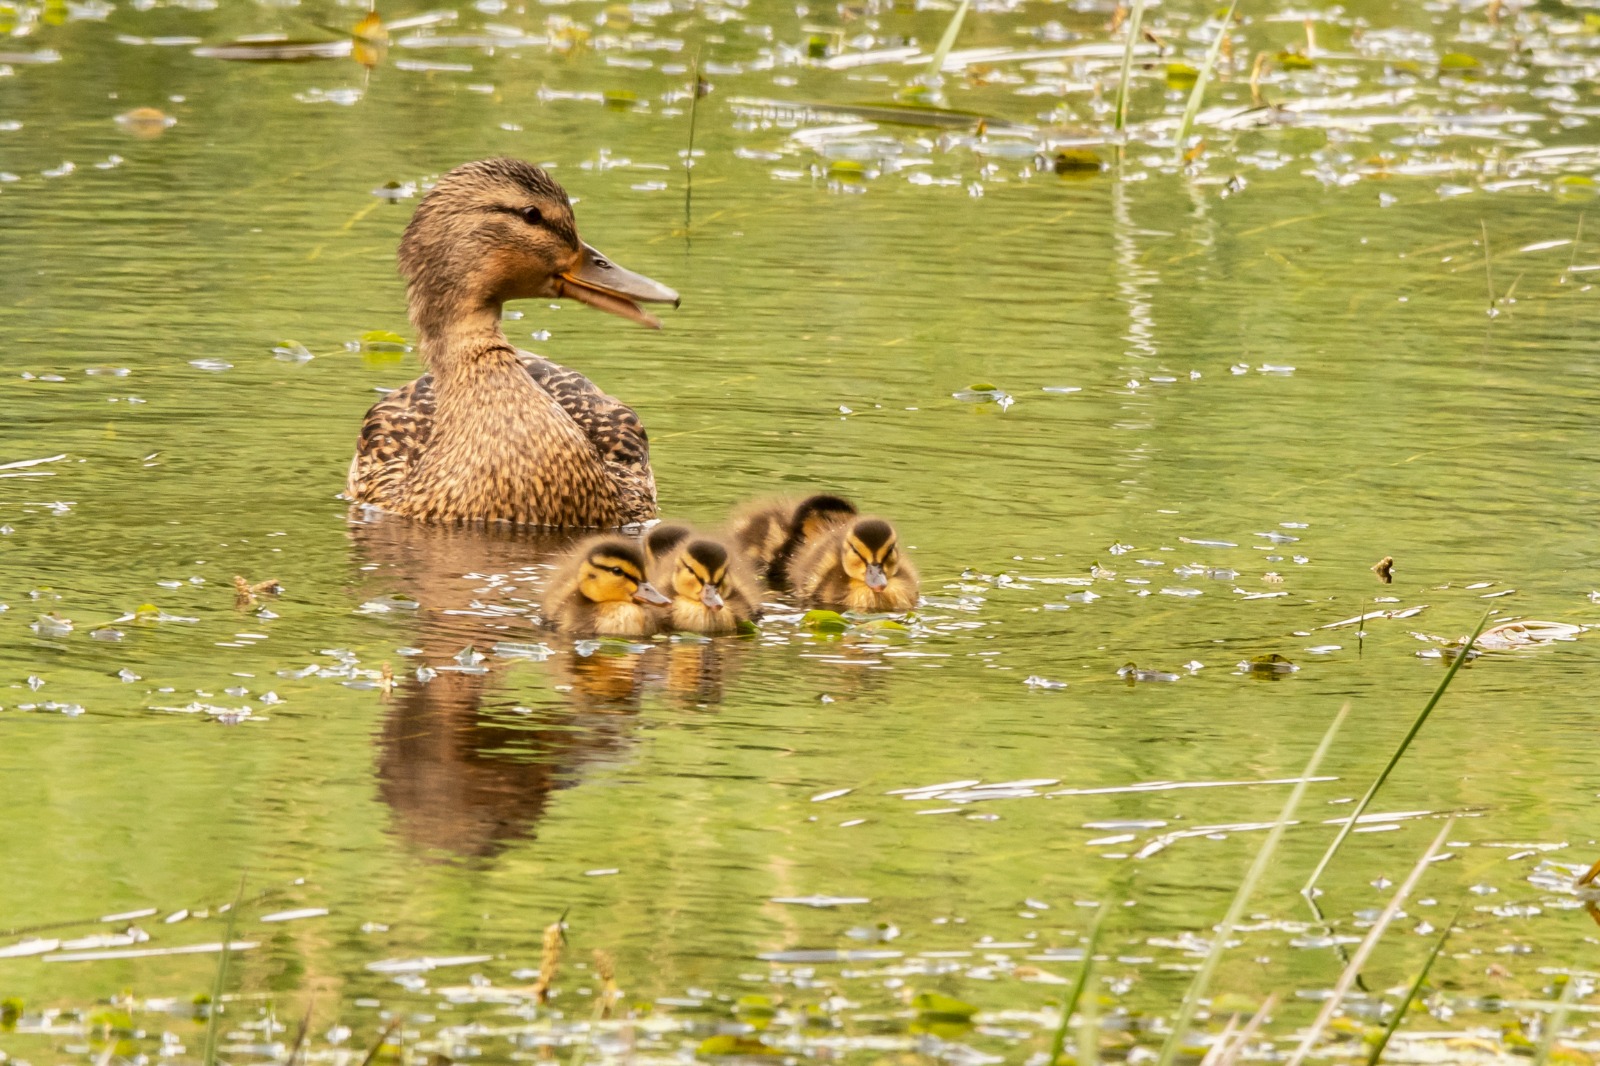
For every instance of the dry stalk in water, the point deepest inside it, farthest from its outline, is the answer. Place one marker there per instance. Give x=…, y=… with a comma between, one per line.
x=554, y=941
x=1248, y=1033
x=606, y=967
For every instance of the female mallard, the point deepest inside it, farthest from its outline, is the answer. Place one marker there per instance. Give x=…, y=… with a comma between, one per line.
x=492, y=433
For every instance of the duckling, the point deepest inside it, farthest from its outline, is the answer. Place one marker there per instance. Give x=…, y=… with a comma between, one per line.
x=855, y=567
x=660, y=542
x=492, y=433
x=771, y=532
x=711, y=590
x=602, y=591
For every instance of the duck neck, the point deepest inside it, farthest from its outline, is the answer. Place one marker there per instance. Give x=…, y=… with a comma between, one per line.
x=455, y=340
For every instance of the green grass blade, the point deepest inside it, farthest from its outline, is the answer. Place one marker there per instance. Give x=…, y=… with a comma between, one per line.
x=214, y=1018
x=1135, y=29
x=936, y=64
x=1411, y=993
x=1405, y=742
x=1059, y=1041
x=1199, y=90
x=1557, y=1019
x=1241, y=898
x=1341, y=988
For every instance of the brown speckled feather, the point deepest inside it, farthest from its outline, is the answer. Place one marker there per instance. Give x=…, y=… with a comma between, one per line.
x=396, y=432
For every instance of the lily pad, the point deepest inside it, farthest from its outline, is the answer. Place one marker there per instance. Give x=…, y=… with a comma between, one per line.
x=824, y=622
x=936, y=1006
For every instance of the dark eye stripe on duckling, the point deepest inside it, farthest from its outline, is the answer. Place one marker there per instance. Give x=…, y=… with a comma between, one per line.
x=621, y=567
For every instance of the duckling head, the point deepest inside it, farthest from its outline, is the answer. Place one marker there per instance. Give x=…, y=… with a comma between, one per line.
x=613, y=572
x=701, y=573
x=501, y=229
x=816, y=514
x=870, y=554
x=662, y=539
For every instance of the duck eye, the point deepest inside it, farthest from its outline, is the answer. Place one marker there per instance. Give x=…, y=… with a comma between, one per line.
x=532, y=216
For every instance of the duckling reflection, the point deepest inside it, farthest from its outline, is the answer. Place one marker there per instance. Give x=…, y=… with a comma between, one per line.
x=467, y=760
x=463, y=767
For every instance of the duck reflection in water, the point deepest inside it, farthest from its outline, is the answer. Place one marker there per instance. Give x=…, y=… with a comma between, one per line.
x=468, y=759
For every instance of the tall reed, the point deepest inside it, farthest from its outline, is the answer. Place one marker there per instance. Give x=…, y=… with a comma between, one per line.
x=1247, y=887
x=1405, y=742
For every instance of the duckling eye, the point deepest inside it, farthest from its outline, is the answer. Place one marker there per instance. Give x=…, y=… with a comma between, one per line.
x=532, y=216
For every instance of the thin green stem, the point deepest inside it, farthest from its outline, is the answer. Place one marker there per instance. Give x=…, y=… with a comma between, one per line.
x=1241, y=898
x=1411, y=993
x=1199, y=90
x=1405, y=742
x=1059, y=1041
x=1135, y=28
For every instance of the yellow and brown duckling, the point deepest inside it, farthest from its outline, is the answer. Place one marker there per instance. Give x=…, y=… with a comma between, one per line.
x=771, y=533
x=711, y=589
x=603, y=591
x=855, y=566
x=492, y=433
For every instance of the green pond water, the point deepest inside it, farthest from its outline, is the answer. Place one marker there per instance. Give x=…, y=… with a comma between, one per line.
x=1277, y=360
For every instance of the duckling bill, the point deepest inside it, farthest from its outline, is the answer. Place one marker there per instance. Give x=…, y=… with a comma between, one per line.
x=856, y=566
x=706, y=580
x=492, y=433
x=602, y=591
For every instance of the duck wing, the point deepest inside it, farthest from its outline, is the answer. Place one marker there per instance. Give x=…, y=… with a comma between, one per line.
x=393, y=437
x=611, y=426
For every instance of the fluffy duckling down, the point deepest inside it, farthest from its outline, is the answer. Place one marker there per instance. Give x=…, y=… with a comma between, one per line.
x=602, y=591
x=855, y=566
x=710, y=588
x=770, y=533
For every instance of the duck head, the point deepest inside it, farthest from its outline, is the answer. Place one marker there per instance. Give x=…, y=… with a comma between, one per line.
x=501, y=229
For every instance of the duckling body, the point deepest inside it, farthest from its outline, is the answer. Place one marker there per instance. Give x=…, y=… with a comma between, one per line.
x=856, y=566
x=492, y=433
x=602, y=591
x=710, y=587
x=771, y=533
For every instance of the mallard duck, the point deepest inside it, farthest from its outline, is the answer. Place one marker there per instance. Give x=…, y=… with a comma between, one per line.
x=857, y=566
x=492, y=433
x=602, y=591
x=769, y=533
x=711, y=590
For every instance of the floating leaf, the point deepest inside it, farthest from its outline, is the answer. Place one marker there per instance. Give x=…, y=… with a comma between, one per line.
x=825, y=621
x=878, y=624
x=731, y=1044
x=621, y=99
x=1458, y=61
x=380, y=340
x=1181, y=76
x=1077, y=161
x=1295, y=61
x=747, y=628
x=939, y=1007
x=1267, y=664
